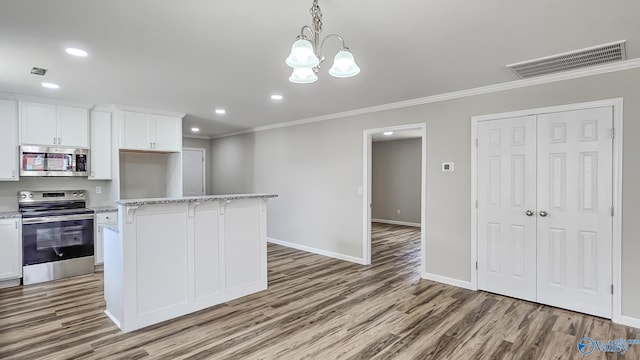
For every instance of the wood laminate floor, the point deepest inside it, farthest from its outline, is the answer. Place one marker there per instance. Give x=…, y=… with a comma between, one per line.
x=315, y=308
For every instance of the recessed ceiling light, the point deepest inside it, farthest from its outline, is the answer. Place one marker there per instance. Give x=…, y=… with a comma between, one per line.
x=50, y=85
x=276, y=97
x=195, y=129
x=387, y=133
x=221, y=111
x=76, y=52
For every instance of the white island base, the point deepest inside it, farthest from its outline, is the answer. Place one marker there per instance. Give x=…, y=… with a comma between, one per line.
x=171, y=257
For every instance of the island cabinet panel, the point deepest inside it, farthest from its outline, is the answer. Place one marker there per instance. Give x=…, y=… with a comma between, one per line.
x=242, y=252
x=207, y=252
x=168, y=258
x=161, y=260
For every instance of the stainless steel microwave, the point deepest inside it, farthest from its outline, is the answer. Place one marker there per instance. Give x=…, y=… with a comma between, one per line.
x=53, y=161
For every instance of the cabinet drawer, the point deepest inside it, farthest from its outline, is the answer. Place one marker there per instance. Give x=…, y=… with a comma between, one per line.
x=107, y=218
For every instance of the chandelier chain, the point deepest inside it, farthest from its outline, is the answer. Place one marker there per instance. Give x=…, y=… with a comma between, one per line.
x=316, y=15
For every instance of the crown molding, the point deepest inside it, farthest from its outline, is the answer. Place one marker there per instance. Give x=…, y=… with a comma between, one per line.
x=130, y=108
x=511, y=85
x=193, y=136
x=51, y=101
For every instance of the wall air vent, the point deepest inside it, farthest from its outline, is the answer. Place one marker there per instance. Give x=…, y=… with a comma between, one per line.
x=596, y=55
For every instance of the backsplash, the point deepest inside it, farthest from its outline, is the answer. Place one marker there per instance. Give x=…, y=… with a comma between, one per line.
x=9, y=189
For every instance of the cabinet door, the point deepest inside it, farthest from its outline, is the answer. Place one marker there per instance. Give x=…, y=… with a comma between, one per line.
x=102, y=218
x=72, y=126
x=10, y=249
x=38, y=124
x=168, y=133
x=100, y=162
x=9, y=140
x=134, y=131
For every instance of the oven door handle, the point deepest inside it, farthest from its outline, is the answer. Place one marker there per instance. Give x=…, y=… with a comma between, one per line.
x=50, y=219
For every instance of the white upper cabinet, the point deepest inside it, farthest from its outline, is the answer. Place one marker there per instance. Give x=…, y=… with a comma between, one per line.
x=168, y=133
x=150, y=132
x=9, y=140
x=45, y=124
x=38, y=124
x=100, y=162
x=73, y=126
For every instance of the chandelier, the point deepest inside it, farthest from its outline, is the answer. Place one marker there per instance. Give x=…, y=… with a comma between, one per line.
x=306, y=55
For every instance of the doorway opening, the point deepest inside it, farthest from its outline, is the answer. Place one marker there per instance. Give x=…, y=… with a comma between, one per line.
x=193, y=172
x=389, y=213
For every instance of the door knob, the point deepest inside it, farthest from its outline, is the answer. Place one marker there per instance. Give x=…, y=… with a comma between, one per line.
x=529, y=213
x=543, y=213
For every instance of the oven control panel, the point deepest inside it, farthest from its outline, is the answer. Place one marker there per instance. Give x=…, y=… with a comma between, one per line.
x=26, y=196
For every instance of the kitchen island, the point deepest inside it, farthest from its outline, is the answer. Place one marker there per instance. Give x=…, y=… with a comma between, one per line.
x=168, y=257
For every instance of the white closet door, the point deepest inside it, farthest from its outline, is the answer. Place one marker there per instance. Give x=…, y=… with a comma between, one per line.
x=575, y=194
x=506, y=191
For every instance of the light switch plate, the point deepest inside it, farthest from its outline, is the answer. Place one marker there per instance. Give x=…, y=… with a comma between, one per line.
x=447, y=167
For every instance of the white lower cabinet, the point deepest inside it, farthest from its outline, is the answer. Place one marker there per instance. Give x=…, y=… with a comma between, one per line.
x=10, y=249
x=110, y=217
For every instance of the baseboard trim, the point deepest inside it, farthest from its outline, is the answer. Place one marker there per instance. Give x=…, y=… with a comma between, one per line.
x=9, y=283
x=630, y=321
x=395, y=222
x=448, y=281
x=313, y=250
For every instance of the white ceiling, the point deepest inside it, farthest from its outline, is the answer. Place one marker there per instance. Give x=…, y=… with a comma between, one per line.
x=193, y=56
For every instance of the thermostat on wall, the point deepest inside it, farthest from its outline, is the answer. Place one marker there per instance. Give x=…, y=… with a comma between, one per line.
x=447, y=167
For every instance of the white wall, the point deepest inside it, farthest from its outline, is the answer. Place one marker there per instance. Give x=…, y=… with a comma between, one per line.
x=9, y=189
x=317, y=168
x=143, y=175
x=395, y=180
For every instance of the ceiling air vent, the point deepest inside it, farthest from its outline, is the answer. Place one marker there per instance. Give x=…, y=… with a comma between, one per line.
x=38, y=71
x=596, y=55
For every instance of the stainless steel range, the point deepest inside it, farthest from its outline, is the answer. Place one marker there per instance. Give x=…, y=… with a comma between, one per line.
x=57, y=235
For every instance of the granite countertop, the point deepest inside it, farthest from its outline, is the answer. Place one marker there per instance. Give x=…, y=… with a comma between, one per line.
x=103, y=209
x=187, y=199
x=112, y=227
x=10, y=215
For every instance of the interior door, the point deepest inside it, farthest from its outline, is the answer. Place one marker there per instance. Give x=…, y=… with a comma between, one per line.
x=193, y=172
x=506, y=207
x=574, y=210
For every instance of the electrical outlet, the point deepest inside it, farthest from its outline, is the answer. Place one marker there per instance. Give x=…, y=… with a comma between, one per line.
x=398, y=211
x=98, y=189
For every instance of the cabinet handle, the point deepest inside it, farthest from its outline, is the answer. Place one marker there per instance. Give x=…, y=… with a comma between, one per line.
x=59, y=141
x=16, y=224
x=54, y=140
x=13, y=174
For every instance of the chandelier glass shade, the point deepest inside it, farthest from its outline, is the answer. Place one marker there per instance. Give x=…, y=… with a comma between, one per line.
x=306, y=53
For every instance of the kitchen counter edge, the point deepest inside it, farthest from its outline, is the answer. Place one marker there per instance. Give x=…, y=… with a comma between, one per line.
x=187, y=199
x=10, y=215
